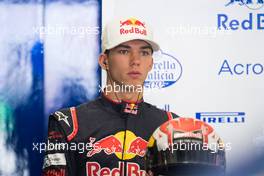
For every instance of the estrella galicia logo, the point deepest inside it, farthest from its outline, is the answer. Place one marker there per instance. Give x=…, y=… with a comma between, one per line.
x=251, y=4
x=221, y=117
x=166, y=71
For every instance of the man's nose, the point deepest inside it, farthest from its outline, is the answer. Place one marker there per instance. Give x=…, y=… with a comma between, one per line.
x=135, y=58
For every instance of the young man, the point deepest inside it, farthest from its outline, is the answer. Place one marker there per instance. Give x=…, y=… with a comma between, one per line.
x=109, y=135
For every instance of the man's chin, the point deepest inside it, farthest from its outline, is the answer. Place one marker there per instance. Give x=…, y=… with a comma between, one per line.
x=133, y=86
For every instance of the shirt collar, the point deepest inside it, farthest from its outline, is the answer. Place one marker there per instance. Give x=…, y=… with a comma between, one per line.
x=123, y=107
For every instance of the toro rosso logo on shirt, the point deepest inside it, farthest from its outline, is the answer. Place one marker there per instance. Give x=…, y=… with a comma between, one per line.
x=114, y=144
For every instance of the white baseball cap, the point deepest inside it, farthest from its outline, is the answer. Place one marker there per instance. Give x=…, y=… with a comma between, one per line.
x=126, y=29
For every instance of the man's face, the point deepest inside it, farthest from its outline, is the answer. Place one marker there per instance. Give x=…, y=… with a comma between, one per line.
x=130, y=62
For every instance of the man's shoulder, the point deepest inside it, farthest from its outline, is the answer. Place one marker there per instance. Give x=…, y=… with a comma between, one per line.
x=151, y=106
x=69, y=118
x=93, y=104
x=69, y=111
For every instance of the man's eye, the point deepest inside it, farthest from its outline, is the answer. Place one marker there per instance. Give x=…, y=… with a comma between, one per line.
x=146, y=53
x=123, y=51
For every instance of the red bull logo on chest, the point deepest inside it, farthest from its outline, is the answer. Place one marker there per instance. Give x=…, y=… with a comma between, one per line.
x=131, y=26
x=114, y=144
x=132, y=169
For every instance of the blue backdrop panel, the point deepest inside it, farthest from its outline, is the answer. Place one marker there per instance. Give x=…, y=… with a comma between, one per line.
x=29, y=91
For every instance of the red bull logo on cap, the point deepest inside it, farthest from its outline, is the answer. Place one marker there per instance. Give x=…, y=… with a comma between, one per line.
x=133, y=22
x=114, y=144
x=132, y=25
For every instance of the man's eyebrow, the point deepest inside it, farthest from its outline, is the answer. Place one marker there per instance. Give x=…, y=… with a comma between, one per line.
x=123, y=46
x=146, y=47
x=129, y=47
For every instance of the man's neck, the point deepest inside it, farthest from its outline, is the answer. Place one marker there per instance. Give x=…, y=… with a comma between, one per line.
x=123, y=95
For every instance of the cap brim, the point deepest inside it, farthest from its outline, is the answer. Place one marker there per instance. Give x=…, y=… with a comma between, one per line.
x=153, y=44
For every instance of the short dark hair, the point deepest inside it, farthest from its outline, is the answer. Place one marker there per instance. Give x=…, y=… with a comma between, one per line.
x=107, y=52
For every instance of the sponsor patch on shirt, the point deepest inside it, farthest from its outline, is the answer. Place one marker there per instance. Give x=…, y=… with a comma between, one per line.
x=54, y=160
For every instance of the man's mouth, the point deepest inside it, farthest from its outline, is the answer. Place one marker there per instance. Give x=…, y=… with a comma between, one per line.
x=134, y=74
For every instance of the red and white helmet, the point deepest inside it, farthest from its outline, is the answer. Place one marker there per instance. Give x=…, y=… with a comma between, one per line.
x=185, y=146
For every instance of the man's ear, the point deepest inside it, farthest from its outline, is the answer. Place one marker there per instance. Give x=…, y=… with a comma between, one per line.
x=103, y=61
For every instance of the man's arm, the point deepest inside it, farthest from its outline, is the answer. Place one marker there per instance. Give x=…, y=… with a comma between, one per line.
x=58, y=158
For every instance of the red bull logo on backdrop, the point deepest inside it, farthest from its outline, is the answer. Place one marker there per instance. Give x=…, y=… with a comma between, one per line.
x=251, y=4
x=132, y=25
x=114, y=144
x=248, y=22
